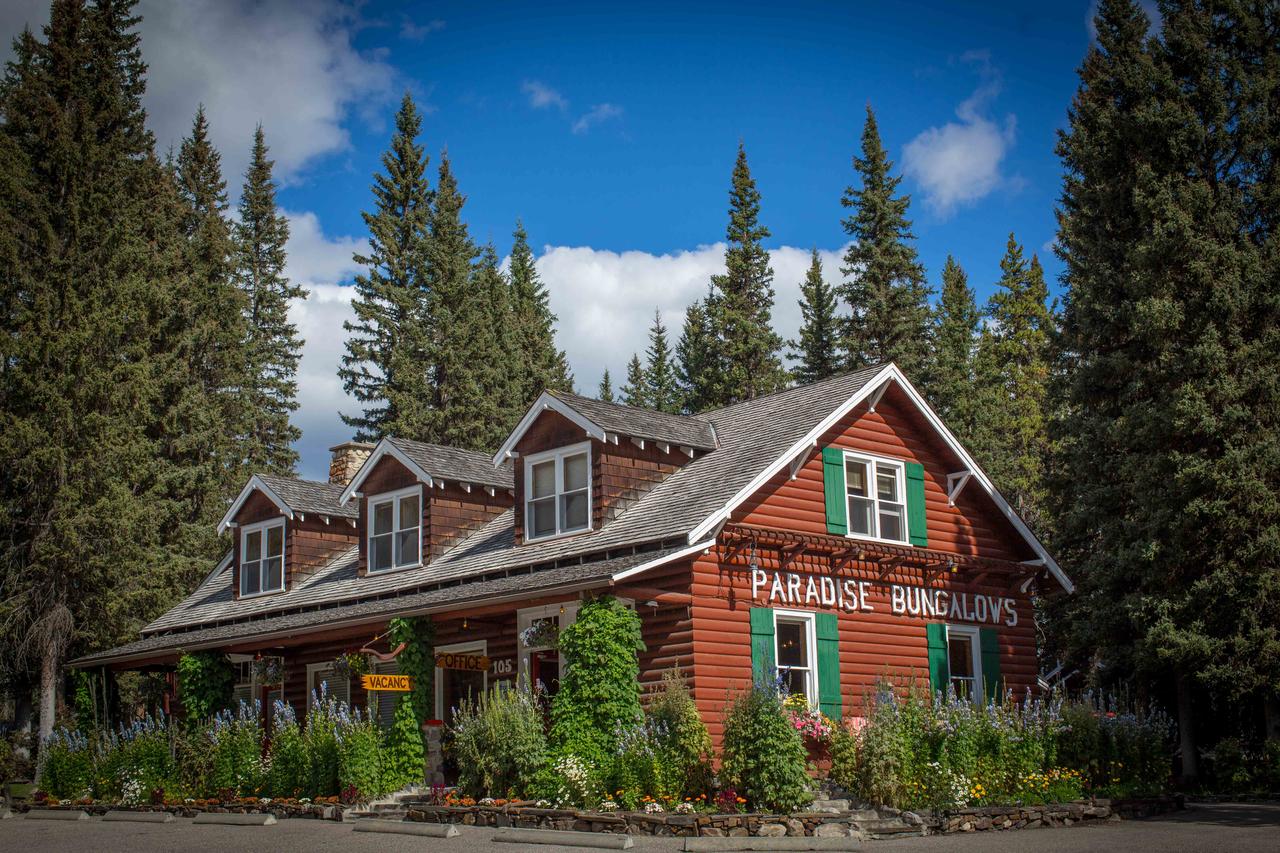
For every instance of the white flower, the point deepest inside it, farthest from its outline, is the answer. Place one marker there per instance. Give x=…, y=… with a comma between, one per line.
x=64, y=802
x=542, y=804
x=684, y=808
x=487, y=801
x=653, y=808
x=608, y=806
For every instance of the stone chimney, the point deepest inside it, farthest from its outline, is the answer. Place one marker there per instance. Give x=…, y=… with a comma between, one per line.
x=347, y=459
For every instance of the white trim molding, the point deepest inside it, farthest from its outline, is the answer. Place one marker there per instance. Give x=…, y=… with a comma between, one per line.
x=385, y=447
x=700, y=548
x=262, y=528
x=557, y=457
x=955, y=485
x=255, y=484
x=546, y=402
x=372, y=502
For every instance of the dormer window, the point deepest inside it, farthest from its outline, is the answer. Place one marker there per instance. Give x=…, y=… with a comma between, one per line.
x=557, y=487
x=262, y=558
x=395, y=530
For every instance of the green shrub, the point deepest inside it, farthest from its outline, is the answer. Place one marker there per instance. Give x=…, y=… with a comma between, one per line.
x=205, y=683
x=290, y=773
x=643, y=767
x=66, y=765
x=764, y=757
x=321, y=741
x=404, y=760
x=498, y=743
x=136, y=760
x=360, y=755
x=599, y=690
x=417, y=660
x=236, y=745
x=684, y=742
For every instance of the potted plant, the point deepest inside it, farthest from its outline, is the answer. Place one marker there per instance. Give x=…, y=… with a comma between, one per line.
x=542, y=634
x=350, y=665
x=269, y=671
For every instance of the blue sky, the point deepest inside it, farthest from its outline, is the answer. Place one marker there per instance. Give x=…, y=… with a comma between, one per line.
x=612, y=131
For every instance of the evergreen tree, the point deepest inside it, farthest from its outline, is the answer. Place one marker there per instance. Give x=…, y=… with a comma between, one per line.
x=636, y=391
x=1165, y=481
x=817, y=349
x=884, y=282
x=661, y=390
x=746, y=347
x=502, y=381
x=949, y=379
x=541, y=365
x=605, y=392
x=273, y=344
x=385, y=367
x=696, y=367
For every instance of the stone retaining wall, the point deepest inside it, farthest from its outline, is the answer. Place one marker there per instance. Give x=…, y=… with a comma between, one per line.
x=319, y=811
x=1026, y=817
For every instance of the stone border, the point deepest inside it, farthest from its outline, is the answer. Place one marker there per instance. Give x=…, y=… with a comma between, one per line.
x=999, y=818
x=318, y=811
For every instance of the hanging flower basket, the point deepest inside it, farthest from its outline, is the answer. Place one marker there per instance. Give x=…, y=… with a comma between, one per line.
x=350, y=665
x=542, y=634
x=269, y=671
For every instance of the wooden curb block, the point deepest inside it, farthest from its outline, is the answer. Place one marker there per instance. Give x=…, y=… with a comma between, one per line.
x=57, y=814
x=235, y=819
x=566, y=838
x=138, y=817
x=710, y=845
x=408, y=827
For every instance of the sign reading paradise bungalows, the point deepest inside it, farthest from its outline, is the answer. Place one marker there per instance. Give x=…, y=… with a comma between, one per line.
x=854, y=596
x=392, y=683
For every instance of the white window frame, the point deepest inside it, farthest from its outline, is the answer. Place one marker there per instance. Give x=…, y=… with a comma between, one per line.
x=252, y=683
x=262, y=527
x=394, y=499
x=874, y=489
x=977, y=691
x=525, y=619
x=807, y=619
x=475, y=647
x=312, y=669
x=559, y=454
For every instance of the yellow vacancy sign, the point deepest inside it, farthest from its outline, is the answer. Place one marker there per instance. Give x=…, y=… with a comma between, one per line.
x=394, y=683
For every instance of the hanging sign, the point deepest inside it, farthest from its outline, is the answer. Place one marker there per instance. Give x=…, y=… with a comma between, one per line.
x=465, y=661
x=390, y=683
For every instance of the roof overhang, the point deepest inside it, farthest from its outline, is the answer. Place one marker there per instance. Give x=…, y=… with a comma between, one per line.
x=692, y=550
x=385, y=447
x=255, y=484
x=545, y=402
x=873, y=390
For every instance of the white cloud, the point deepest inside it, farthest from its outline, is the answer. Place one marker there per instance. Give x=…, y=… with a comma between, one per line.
x=959, y=162
x=289, y=65
x=413, y=31
x=542, y=96
x=597, y=114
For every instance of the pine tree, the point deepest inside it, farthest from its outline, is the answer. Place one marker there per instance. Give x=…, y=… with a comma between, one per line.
x=949, y=378
x=605, y=392
x=541, y=365
x=273, y=344
x=696, y=367
x=818, y=347
x=884, y=282
x=1166, y=491
x=385, y=367
x=746, y=347
x=636, y=391
x=661, y=390
x=504, y=390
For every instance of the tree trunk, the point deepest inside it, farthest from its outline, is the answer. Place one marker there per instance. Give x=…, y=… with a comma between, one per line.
x=49, y=670
x=1271, y=713
x=1186, y=732
x=22, y=718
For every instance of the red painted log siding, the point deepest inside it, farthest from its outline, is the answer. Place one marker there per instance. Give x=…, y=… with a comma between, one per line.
x=387, y=476
x=667, y=630
x=454, y=513
x=257, y=507
x=872, y=645
x=311, y=543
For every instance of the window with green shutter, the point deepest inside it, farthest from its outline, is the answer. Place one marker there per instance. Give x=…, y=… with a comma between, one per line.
x=763, y=669
x=939, y=669
x=833, y=490
x=828, y=631
x=916, y=523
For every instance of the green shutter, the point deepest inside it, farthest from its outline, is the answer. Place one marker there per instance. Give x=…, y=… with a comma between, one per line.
x=991, y=664
x=833, y=490
x=915, y=504
x=828, y=664
x=764, y=670
x=939, y=669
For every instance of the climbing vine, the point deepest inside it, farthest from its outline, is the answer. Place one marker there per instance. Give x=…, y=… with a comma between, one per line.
x=417, y=660
x=205, y=682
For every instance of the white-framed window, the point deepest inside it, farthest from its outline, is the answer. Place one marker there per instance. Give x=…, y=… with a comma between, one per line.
x=876, y=492
x=796, y=653
x=557, y=492
x=322, y=673
x=452, y=685
x=247, y=688
x=964, y=660
x=262, y=557
x=395, y=530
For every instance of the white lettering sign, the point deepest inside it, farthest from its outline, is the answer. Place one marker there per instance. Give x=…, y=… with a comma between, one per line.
x=904, y=600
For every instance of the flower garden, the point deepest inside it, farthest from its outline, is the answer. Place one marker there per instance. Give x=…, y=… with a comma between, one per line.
x=596, y=747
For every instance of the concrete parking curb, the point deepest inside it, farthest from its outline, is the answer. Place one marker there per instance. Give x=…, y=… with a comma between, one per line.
x=712, y=845
x=57, y=814
x=138, y=817
x=428, y=830
x=235, y=819
x=565, y=838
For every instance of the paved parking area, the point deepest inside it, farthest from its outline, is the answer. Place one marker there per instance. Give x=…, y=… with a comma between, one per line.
x=1227, y=827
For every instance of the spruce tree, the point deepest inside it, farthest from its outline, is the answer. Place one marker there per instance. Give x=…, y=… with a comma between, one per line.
x=636, y=390
x=502, y=383
x=541, y=366
x=746, y=347
x=697, y=370
x=661, y=390
x=949, y=377
x=605, y=392
x=884, y=285
x=272, y=341
x=385, y=366
x=818, y=348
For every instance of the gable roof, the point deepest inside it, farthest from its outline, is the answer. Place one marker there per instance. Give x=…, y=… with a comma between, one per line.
x=432, y=462
x=292, y=496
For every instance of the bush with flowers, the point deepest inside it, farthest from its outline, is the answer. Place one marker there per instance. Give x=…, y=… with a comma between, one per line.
x=66, y=764
x=814, y=726
x=135, y=760
x=235, y=741
x=290, y=773
x=764, y=757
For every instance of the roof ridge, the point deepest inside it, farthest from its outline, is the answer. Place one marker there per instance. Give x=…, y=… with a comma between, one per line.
x=478, y=453
x=615, y=404
x=871, y=368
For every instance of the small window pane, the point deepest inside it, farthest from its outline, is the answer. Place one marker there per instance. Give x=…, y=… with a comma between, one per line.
x=791, y=644
x=892, y=522
x=544, y=478
x=382, y=517
x=575, y=511
x=407, y=547
x=380, y=556
x=886, y=483
x=960, y=655
x=275, y=573
x=861, y=511
x=542, y=517
x=275, y=541
x=252, y=547
x=795, y=681
x=856, y=478
x=409, y=514
x=249, y=580
x=575, y=472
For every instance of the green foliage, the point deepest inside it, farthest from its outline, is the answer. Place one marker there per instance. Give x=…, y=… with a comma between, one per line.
x=818, y=347
x=949, y=378
x=696, y=365
x=290, y=773
x=599, y=690
x=66, y=765
x=404, y=758
x=642, y=767
x=636, y=390
x=205, y=683
x=321, y=741
x=539, y=365
x=360, y=759
x=235, y=741
x=764, y=756
x=136, y=760
x=498, y=743
x=661, y=389
x=605, y=392
x=683, y=742
x=417, y=660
